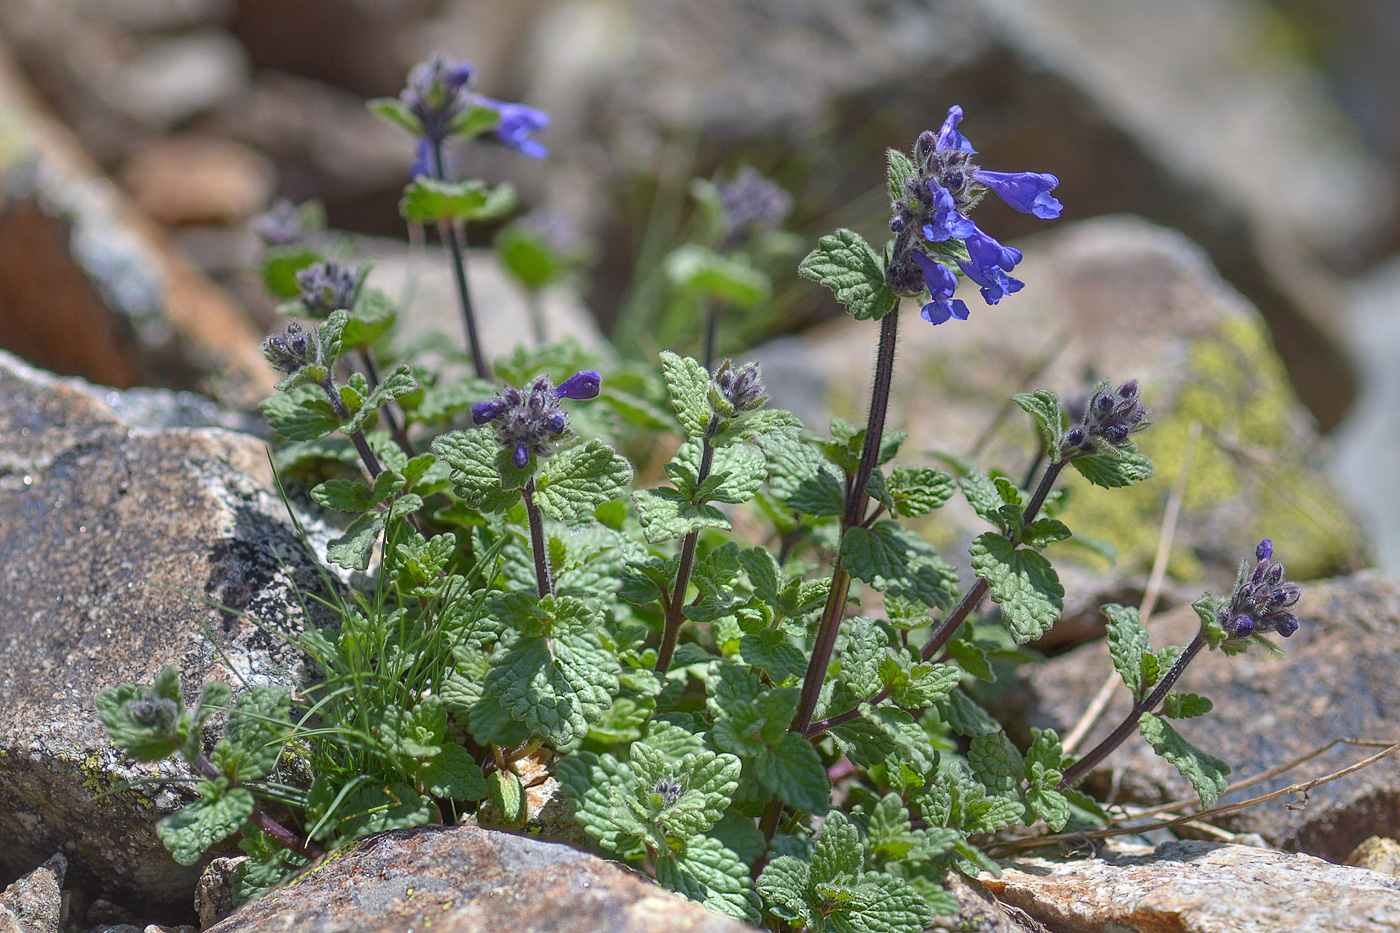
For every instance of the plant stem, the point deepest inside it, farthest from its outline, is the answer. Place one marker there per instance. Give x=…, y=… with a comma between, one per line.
x=279, y=833
x=532, y=511
x=535, y=302
x=459, y=269
x=357, y=438
x=711, y=330
x=675, y=606
x=856, y=502
x=974, y=596
x=1128, y=726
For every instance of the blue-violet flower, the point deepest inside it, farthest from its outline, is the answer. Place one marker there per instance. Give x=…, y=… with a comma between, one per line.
x=1261, y=599
x=528, y=422
x=941, y=283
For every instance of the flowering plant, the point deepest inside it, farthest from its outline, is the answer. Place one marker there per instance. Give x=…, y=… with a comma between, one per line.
x=777, y=722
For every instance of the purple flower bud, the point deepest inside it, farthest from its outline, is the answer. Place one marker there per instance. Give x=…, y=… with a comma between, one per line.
x=924, y=147
x=457, y=76
x=581, y=385
x=1074, y=437
x=282, y=225
x=898, y=223
x=1116, y=433
x=1285, y=624
x=488, y=410
x=521, y=456
x=557, y=422
x=1265, y=550
x=1274, y=576
x=1285, y=596
x=1243, y=626
x=1128, y=390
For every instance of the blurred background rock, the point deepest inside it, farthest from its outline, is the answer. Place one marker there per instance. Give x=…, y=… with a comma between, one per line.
x=1263, y=130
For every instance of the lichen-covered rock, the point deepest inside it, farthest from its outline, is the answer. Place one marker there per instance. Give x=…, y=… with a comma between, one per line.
x=464, y=879
x=1199, y=887
x=1120, y=298
x=88, y=287
x=117, y=543
x=1336, y=679
x=34, y=903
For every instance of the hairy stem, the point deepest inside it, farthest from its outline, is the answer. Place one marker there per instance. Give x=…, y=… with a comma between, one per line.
x=532, y=511
x=856, y=502
x=455, y=249
x=371, y=462
x=711, y=331
x=1128, y=726
x=675, y=606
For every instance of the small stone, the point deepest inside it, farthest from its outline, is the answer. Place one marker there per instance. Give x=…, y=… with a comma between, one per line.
x=173, y=79
x=35, y=901
x=213, y=895
x=1378, y=853
x=193, y=180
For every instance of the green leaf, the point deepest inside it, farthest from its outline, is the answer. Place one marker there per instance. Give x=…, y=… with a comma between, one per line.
x=1044, y=532
x=792, y=769
x=711, y=874
x=1044, y=407
x=666, y=515
x=1186, y=706
x=838, y=853
x=1131, y=466
x=301, y=414
x=890, y=906
x=396, y=112
x=187, y=833
x=897, y=562
x=374, y=807
x=915, y=492
x=750, y=425
x=427, y=200
x=280, y=268
x=785, y=884
x=981, y=493
x=965, y=717
x=730, y=279
x=258, y=726
x=996, y=763
x=1128, y=643
x=689, y=387
x=818, y=495
x=372, y=317
x=1043, y=798
x=919, y=684
x=148, y=724
x=588, y=780
x=395, y=385
x=900, y=170
x=845, y=263
x=862, y=655
x=576, y=481
x=1205, y=772
x=453, y=774
x=355, y=547
x=1022, y=582
x=771, y=651
x=472, y=457
x=559, y=681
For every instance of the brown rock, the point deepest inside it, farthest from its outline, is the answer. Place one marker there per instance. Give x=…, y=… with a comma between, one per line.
x=118, y=541
x=1335, y=680
x=1200, y=887
x=196, y=180
x=35, y=901
x=981, y=912
x=468, y=880
x=88, y=287
x=213, y=896
x=1377, y=853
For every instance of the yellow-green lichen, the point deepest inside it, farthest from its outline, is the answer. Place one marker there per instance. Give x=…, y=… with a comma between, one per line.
x=1247, y=463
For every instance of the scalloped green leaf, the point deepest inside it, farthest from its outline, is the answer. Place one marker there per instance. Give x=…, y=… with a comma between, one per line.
x=844, y=263
x=1022, y=582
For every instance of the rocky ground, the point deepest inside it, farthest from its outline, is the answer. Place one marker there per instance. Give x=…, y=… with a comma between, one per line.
x=138, y=136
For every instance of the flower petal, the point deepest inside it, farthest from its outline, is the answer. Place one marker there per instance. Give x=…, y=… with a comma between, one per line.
x=948, y=135
x=1028, y=192
x=581, y=385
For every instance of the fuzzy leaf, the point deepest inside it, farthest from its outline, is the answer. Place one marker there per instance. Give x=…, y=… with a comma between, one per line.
x=785, y=884
x=914, y=492
x=919, y=684
x=1128, y=643
x=838, y=853
x=981, y=493
x=188, y=832
x=1044, y=532
x=1132, y=466
x=147, y=724
x=861, y=655
x=897, y=562
x=427, y=200
x=710, y=874
x=476, y=476
x=354, y=548
x=576, y=481
x=1022, y=582
x=818, y=495
x=395, y=385
x=792, y=769
x=1185, y=706
x=666, y=515
x=453, y=774
x=301, y=414
x=689, y=386
x=258, y=725
x=588, y=780
x=1044, y=407
x=770, y=650
x=965, y=717
x=1205, y=772
x=845, y=263
x=730, y=279
x=900, y=169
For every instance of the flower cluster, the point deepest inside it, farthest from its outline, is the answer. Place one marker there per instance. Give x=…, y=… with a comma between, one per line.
x=439, y=94
x=282, y=225
x=1261, y=599
x=328, y=286
x=293, y=350
x=1110, y=416
x=751, y=204
x=528, y=422
x=945, y=186
x=739, y=389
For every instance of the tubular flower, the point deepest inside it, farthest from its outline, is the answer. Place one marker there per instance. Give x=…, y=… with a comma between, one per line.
x=1261, y=599
x=941, y=282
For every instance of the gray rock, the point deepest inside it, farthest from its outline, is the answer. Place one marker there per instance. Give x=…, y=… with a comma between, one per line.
x=1377, y=853
x=1335, y=680
x=118, y=542
x=175, y=78
x=90, y=288
x=213, y=896
x=1119, y=298
x=464, y=879
x=1200, y=887
x=35, y=902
